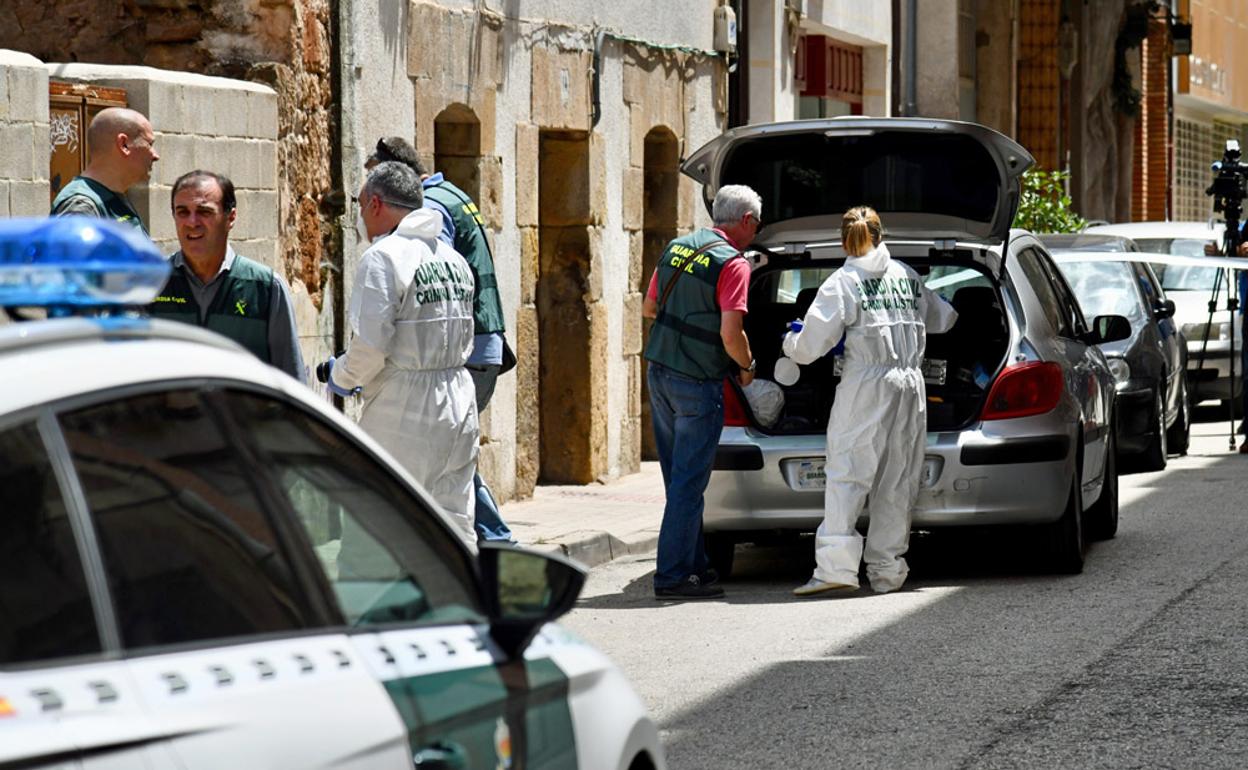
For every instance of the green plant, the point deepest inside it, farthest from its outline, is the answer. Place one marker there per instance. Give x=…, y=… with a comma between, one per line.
x=1045, y=206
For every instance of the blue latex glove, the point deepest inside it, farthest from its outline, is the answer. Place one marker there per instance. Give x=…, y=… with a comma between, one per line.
x=795, y=325
x=334, y=387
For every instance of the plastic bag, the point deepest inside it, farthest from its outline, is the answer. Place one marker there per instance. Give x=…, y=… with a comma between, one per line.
x=766, y=401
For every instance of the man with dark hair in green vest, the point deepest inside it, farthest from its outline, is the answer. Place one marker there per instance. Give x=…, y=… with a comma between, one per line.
x=123, y=149
x=213, y=287
x=697, y=298
x=463, y=230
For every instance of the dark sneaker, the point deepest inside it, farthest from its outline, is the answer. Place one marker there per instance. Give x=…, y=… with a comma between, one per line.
x=692, y=588
x=710, y=577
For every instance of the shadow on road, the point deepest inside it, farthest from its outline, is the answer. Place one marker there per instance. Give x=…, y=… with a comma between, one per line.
x=765, y=574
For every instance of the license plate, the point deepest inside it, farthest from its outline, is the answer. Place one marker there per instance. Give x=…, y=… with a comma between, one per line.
x=935, y=371
x=810, y=474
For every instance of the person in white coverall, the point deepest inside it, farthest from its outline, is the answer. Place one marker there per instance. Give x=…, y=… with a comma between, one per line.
x=411, y=315
x=878, y=426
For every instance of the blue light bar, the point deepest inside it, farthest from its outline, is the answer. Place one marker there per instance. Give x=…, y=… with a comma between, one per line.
x=77, y=261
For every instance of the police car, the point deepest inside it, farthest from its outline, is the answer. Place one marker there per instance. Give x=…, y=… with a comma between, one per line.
x=202, y=565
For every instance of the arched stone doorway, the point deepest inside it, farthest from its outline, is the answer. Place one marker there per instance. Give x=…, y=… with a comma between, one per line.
x=661, y=188
x=457, y=148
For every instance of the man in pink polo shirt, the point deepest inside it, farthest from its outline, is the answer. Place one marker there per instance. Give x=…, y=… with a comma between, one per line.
x=697, y=298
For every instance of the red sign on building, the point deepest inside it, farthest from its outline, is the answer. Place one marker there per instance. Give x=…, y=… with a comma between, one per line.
x=829, y=69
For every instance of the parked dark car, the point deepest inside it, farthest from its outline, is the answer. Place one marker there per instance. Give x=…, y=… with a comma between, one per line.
x=1153, y=406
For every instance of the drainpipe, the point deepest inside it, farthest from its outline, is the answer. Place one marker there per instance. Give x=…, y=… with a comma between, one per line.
x=597, y=75
x=911, y=107
x=339, y=17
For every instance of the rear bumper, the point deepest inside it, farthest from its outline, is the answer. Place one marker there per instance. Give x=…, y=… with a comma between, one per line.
x=1211, y=378
x=1135, y=421
x=976, y=480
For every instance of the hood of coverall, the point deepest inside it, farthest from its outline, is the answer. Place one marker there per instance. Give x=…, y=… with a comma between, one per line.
x=422, y=224
x=929, y=179
x=874, y=261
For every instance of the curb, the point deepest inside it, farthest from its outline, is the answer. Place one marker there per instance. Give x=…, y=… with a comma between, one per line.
x=593, y=548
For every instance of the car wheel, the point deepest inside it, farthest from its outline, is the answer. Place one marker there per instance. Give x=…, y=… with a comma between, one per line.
x=1153, y=458
x=1180, y=434
x=1102, y=518
x=1066, y=543
x=721, y=548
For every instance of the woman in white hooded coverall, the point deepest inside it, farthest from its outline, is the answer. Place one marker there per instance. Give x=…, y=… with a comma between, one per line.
x=878, y=426
x=411, y=314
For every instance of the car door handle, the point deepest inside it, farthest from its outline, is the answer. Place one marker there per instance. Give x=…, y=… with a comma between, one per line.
x=441, y=756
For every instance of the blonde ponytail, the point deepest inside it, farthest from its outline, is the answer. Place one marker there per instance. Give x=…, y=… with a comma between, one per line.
x=861, y=230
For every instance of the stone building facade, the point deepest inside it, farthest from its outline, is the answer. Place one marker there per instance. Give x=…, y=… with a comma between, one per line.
x=566, y=122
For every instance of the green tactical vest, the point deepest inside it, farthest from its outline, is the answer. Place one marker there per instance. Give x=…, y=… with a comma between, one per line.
x=108, y=204
x=685, y=336
x=487, y=306
x=240, y=309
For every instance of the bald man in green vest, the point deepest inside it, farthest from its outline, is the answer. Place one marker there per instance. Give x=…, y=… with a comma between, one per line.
x=123, y=149
x=213, y=287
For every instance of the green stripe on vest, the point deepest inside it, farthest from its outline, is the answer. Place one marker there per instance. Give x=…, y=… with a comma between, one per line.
x=240, y=309
x=685, y=336
x=470, y=241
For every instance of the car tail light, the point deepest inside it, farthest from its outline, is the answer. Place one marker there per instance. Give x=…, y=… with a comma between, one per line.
x=734, y=411
x=1023, y=390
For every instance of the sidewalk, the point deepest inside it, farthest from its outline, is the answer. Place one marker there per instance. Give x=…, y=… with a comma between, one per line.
x=595, y=523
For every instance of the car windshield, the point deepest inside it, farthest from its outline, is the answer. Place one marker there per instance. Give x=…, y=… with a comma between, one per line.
x=1180, y=277
x=1103, y=288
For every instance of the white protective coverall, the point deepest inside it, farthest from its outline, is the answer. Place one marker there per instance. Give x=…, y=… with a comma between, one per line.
x=411, y=314
x=878, y=427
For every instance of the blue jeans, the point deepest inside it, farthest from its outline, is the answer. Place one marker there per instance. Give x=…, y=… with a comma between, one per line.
x=688, y=417
x=488, y=522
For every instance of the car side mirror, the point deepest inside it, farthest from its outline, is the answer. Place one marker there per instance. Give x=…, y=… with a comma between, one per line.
x=1108, y=328
x=1164, y=310
x=525, y=590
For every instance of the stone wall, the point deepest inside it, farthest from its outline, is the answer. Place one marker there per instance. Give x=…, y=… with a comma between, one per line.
x=218, y=124
x=564, y=192
x=24, y=142
x=284, y=44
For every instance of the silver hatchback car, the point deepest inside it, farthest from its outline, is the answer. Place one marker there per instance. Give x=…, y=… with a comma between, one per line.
x=1020, y=400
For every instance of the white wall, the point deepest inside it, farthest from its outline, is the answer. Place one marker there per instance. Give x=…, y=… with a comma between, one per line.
x=24, y=144
x=867, y=23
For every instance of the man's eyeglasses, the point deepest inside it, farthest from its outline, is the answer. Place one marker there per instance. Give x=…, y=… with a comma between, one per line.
x=360, y=202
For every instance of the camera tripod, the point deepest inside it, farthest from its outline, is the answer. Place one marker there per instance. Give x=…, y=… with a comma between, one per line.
x=1230, y=247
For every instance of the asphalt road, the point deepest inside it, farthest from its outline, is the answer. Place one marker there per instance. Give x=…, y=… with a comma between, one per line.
x=984, y=661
